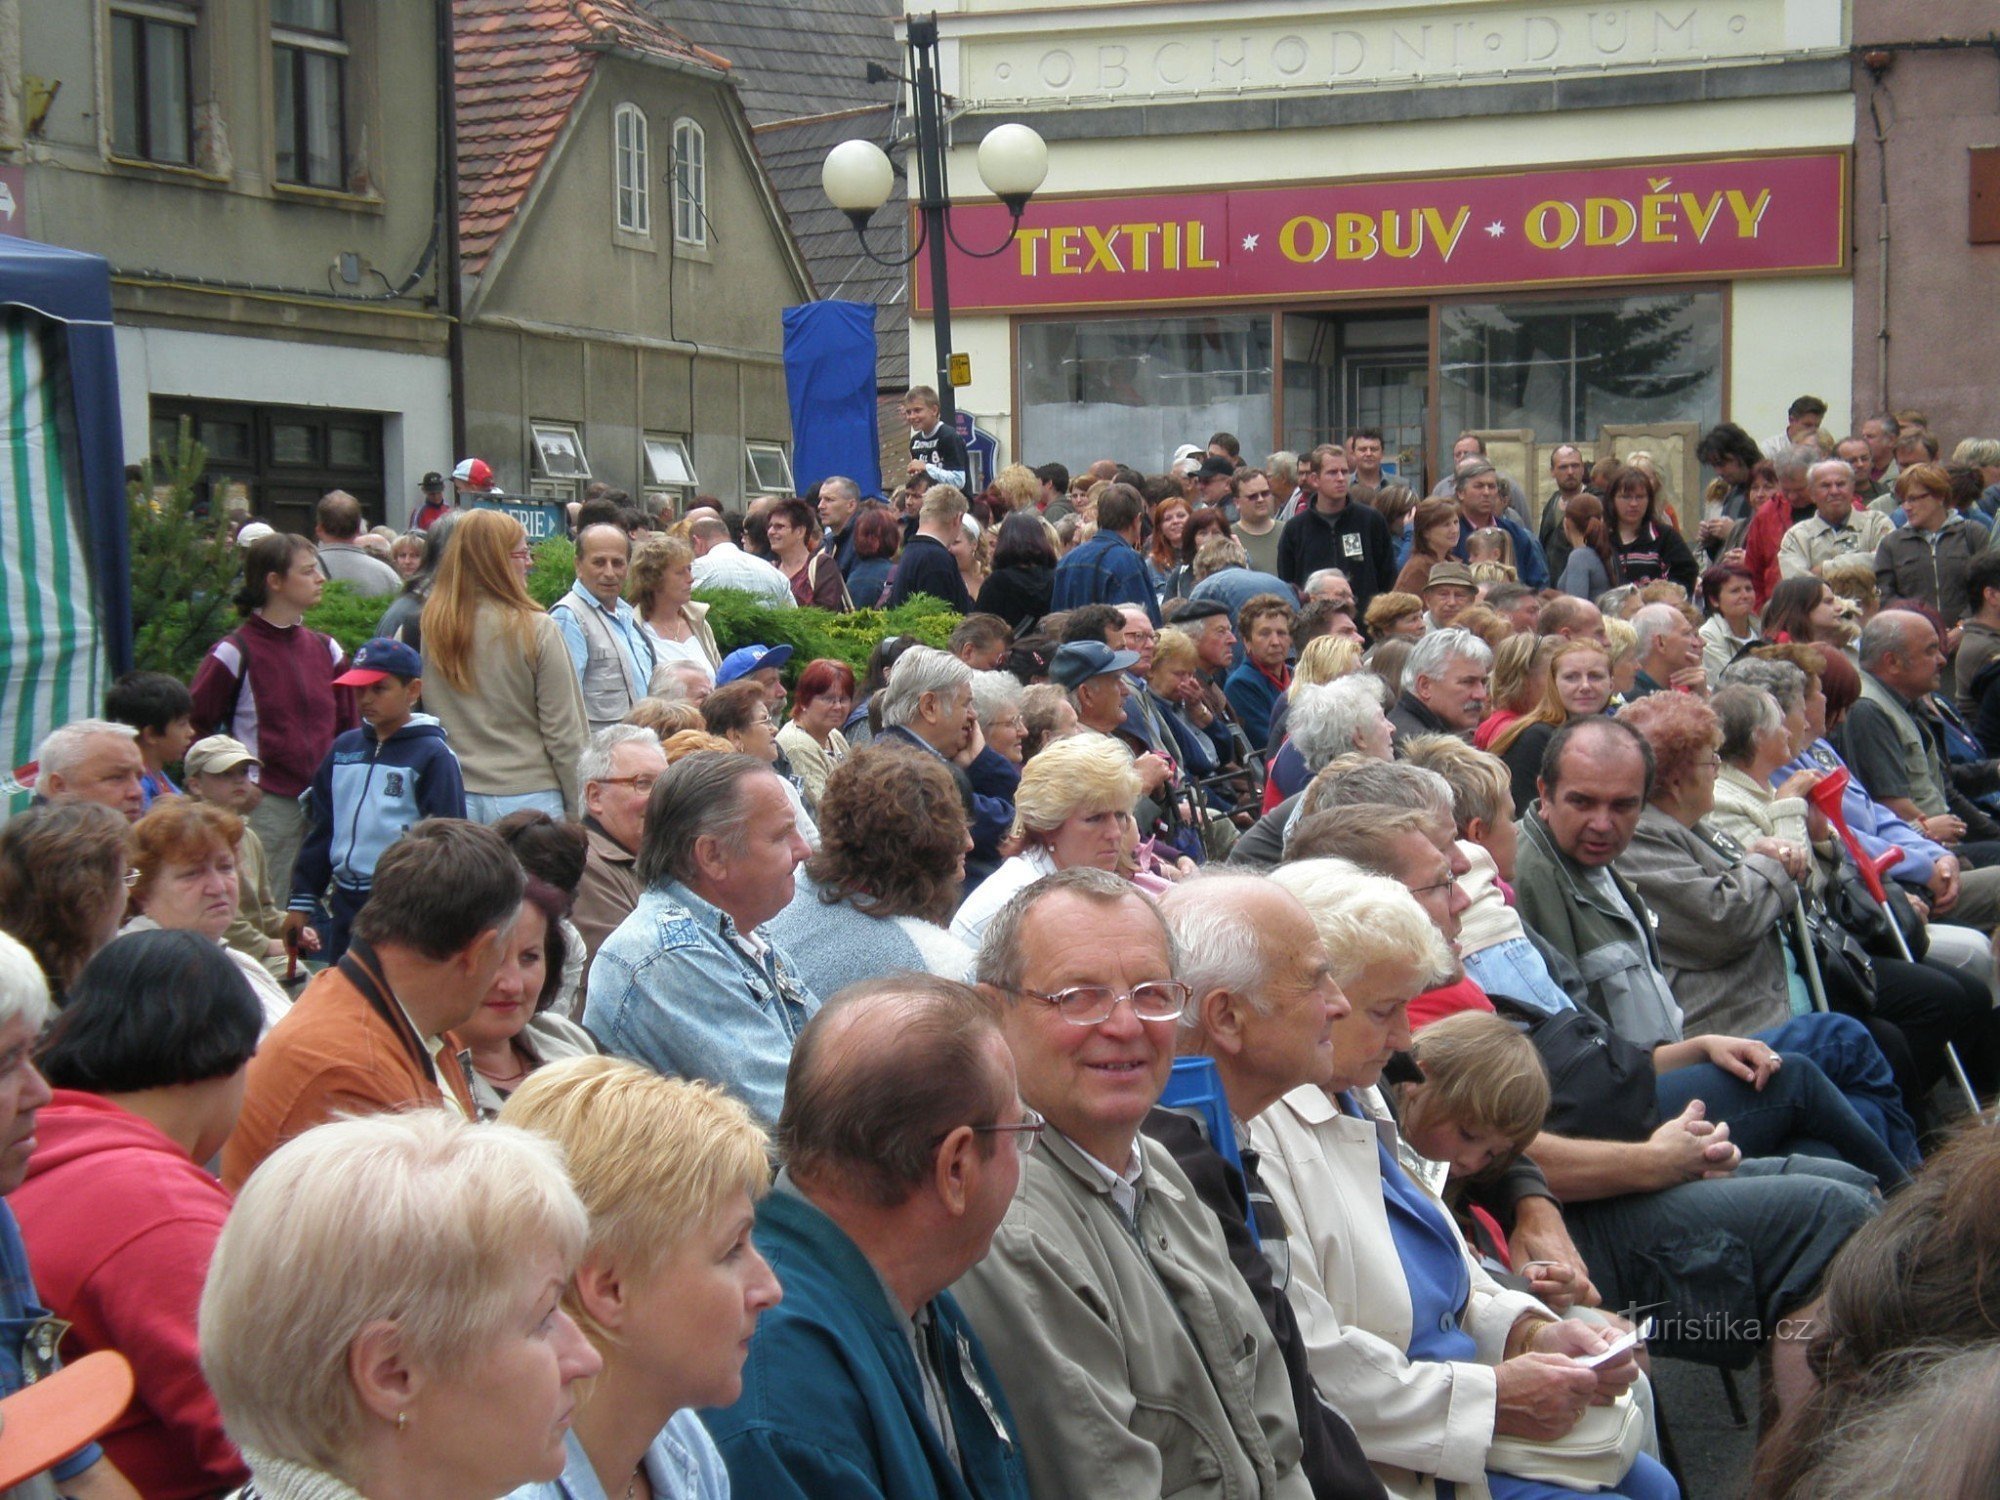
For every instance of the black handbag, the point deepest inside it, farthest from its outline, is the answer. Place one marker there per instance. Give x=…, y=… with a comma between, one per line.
x=1850, y=903
x=1601, y=1087
x=1846, y=973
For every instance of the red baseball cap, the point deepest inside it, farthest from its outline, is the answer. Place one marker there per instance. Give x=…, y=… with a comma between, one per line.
x=475, y=472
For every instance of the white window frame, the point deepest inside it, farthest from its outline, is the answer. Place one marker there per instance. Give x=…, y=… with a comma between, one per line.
x=755, y=480
x=631, y=177
x=690, y=177
x=542, y=434
x=662, y=457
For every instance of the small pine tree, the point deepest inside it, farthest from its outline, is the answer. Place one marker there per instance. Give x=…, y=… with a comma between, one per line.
x=184, y=569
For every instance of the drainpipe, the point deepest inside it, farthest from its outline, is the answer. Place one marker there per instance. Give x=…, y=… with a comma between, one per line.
x=451, y=271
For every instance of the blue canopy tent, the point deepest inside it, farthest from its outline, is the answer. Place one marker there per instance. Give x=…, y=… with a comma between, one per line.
x=65, y=566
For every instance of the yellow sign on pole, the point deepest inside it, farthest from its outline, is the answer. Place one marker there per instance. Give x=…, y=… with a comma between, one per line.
x=961, y=369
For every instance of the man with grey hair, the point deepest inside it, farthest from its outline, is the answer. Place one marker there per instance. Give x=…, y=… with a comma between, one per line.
x=93, y=760
x=928, y=703
x=1669, y=653
x=1482, y=506
x=1262, y=1008
x=1892, y=741
x=1128, y=1343
x=1331, y=585
x=1444, y=685
x=617, y=772
x=690, y=984
x=839, y=500
x=1836, y=528
x=683, y=682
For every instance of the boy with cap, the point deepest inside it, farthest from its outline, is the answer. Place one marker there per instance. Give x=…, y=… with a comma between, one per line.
x=222, y=771
x=376, y=781
x=433, y=506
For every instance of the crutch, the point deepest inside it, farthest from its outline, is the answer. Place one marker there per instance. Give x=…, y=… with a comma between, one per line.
x=1826, y=796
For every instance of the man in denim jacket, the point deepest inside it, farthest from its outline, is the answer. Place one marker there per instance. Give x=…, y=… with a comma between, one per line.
x=690, y=984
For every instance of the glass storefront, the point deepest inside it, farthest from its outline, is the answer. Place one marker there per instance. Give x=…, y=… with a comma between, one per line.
x=1564, y=368
x=1141, y=387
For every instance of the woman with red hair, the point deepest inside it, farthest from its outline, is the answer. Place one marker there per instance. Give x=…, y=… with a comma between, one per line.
x=812, y=740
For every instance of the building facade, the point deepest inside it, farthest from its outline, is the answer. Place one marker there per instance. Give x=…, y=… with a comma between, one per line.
x=626, y=262
x=265, y=178
x=1543, y=222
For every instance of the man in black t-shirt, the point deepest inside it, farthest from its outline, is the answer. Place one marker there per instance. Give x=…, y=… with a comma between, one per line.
x=936, y=451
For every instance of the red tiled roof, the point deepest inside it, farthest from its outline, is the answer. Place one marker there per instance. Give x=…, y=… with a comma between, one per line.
x=522, y=65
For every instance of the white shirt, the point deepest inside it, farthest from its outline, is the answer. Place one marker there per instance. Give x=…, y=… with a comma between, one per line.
x=727, y=566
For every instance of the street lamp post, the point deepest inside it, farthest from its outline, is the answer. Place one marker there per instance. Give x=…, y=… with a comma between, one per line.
x=858, y=176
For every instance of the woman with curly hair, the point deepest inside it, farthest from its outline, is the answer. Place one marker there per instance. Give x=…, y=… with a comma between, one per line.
x=1170, y=519
x=886, y=878
x=62, y=885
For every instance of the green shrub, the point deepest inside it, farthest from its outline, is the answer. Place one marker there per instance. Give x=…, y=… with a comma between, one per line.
x=553, y=570
x=184, y=571
x=740, y=619
x=348, y=617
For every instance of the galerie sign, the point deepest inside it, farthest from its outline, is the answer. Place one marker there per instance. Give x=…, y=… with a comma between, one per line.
x=1771, y=215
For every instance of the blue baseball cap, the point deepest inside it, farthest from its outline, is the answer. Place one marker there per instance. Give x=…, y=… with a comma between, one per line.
x=380, y=658
x=747, y=659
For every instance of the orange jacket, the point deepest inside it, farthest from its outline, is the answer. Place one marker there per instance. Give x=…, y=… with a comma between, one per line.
x=336, y=1053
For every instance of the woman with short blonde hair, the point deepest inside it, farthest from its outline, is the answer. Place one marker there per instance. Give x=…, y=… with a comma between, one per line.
x=498, y=676
x=383, y=1312
x=1327, y=658
x=1070, y=809
x=670, y=1283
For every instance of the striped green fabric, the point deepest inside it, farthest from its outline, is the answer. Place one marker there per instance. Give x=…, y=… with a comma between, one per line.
x=53, y=666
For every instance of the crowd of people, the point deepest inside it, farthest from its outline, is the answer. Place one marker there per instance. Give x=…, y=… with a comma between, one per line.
x=1304, y=994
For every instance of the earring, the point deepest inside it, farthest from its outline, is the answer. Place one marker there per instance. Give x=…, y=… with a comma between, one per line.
x=402, y=1420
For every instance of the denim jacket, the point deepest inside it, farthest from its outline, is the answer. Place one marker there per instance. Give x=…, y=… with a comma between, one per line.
x=676, y=987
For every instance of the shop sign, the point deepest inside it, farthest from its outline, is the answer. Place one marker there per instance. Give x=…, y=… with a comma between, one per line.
x=1645, y=221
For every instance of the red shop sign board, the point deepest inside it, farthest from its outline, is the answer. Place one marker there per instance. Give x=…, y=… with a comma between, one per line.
x=1642, y=221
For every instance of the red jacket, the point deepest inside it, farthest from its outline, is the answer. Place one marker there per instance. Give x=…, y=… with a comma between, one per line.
x=119, y=1226
x=1760, y=544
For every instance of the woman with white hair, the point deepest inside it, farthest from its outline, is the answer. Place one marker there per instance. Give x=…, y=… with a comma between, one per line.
x=384, y=1314
x=1342, y=717
x=670, y=1286
x=1073, y=807
x=996, y=700
x=1437, y=1366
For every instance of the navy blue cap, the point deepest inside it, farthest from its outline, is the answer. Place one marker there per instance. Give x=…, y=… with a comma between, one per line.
x=1080, y=661
x=380, y=658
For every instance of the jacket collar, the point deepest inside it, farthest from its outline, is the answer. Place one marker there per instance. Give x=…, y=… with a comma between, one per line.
x=1577, y=886
x=787, y=1211
x=1071, y=1159
x=605, y=846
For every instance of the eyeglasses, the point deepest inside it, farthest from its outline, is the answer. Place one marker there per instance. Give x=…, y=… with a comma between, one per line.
x=1092, y=1004
x=1026, y=1130
x=1450, y=882
x=640, y=784
x=132, y=878
x=522, y=554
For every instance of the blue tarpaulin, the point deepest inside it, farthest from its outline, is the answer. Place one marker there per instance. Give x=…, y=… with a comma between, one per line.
x=65, y=567
x=830, y=380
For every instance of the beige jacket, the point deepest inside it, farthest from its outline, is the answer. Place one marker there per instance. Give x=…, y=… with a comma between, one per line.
x=1811, y=542
x=1136, y=1358
x=521, y=726
x=1418, y=1421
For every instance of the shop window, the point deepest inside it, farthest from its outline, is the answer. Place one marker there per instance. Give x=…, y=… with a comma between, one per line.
x=1141, y=386
x=152, y=82
x=634, y=189
x=309, y=55
x=690, y=183
x=1565, y=367
x=766, y=469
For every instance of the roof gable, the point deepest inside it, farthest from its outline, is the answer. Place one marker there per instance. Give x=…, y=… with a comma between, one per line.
x=522, y=66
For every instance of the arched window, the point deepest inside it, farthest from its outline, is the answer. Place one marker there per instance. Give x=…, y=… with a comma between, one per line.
x=690, y=183
x=628, y=153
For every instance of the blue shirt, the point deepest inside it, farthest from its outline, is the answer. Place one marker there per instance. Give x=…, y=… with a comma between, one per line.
x=623, y=623
x=679, y=988
x=682, y=1464
x=1107, y=569
x=28, y=1334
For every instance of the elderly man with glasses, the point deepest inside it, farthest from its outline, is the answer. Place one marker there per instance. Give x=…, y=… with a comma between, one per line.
x=1125, y=1337
x=616, y=771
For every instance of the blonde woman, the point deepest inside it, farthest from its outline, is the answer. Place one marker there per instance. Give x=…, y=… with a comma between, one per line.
x=670, y=1286
x=661, y=588
x=1072, y=807
x=384, y=1316
x=498, y=676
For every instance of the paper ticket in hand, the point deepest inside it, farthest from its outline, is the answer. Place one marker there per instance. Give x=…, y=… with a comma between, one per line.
x=1618, y=1346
